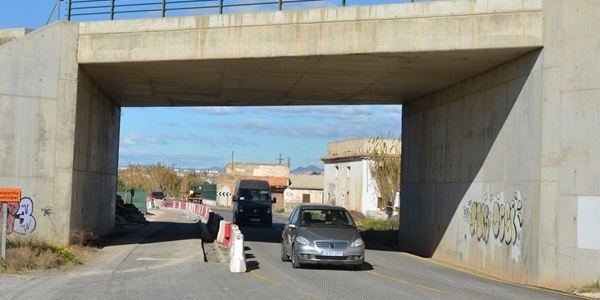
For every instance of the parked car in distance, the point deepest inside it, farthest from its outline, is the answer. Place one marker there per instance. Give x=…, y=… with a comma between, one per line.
x=322, y=234
x=157, y=195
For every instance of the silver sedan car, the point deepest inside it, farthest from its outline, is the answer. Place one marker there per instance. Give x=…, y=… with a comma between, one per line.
x=322, y=234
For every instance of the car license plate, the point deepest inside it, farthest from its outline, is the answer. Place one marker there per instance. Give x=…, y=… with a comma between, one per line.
x=332, y=253
x=255, y=220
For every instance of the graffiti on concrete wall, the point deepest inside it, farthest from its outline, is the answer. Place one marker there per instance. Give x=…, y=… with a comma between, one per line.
x=20, y=217
x=47, y=211
x=495, y=217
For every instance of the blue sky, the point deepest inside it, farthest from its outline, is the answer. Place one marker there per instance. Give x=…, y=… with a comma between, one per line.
x=203, y=137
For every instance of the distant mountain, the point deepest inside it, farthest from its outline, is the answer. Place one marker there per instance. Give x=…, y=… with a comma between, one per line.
x=299, y=170
x=307, y=170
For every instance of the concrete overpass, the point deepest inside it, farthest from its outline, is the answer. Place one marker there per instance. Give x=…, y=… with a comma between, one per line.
x=500, y=101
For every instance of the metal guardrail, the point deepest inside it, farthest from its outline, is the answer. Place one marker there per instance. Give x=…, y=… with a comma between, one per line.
x=112, y=8
x=94, y=9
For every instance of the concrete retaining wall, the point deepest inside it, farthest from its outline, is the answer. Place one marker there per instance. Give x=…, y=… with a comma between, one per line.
x=499, y=173
x=59, y=137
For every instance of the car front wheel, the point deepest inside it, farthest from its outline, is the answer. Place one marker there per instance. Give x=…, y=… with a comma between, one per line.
x=284, y=256
x=295, y=263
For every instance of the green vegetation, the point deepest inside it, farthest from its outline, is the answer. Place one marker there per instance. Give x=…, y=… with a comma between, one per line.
x=378, y=231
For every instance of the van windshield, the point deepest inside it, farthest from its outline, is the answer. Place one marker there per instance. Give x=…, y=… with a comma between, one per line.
x=255, y=195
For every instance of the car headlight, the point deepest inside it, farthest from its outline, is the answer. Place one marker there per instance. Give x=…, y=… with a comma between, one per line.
x=302, y=240
x=359, y=242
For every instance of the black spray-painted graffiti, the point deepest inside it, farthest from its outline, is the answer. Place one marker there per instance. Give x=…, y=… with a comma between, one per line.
x=505, y=219
x=20, y=217
x=47, y=211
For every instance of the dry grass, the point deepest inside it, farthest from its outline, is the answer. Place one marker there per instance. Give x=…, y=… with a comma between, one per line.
x=591, y=288
x=32, y=255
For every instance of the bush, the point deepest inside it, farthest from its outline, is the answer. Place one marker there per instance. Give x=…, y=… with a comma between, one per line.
x=378, y=224
x=379, y=231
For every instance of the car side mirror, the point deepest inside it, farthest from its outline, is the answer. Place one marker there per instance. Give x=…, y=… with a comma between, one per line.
x=291, y=225
x=234, y=199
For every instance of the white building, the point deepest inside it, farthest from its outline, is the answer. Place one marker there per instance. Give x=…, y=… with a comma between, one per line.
x=303, y=188
x=348, y=180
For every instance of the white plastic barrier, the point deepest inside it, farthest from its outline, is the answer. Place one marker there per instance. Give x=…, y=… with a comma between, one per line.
x=234, y=232
x=221, y=233
x=237, y=263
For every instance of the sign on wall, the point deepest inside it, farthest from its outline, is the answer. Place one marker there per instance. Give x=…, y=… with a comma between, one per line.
x=588, y=222
x=11, y=195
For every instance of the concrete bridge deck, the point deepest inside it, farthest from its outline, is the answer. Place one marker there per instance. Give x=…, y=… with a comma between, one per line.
x=385, y=54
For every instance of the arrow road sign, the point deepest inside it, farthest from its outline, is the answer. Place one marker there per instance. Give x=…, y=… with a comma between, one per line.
x=223, y=194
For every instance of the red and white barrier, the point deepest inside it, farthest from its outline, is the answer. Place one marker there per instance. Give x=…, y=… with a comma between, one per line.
x=221, y=232
x=225, y=233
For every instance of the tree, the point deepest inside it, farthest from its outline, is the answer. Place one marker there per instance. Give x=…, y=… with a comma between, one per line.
x=191, y=178
x=162, y=178
x=132, y=177
x=385, y=165
x=158, y=177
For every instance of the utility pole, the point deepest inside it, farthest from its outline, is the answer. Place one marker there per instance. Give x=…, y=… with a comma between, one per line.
x=289, y=162
x=280, y=158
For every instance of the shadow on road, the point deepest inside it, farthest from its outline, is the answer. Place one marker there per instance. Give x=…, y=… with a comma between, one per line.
x=153, y=231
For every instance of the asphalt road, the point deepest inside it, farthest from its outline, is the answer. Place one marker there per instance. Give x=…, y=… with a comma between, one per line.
x=166, y=259
x=385, y=275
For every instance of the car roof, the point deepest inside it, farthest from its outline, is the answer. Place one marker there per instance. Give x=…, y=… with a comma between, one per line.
x=320, y=206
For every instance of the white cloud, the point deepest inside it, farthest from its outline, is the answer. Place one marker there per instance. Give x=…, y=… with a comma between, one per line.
x=139, y=139
x=219, y=110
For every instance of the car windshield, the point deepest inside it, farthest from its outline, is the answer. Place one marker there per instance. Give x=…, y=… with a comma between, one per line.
x=157, y=194
x=326, y=217
x=255, y=195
